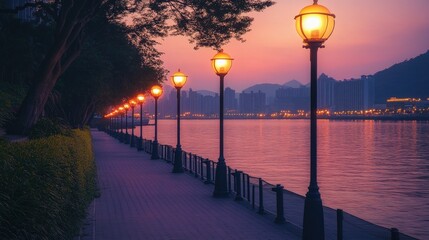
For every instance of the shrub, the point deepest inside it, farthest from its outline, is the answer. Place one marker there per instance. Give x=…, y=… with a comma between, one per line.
x=11, y=95
x=46, y=127
x=46, y=186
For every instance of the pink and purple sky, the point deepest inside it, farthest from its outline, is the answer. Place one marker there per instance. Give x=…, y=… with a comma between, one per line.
x=369, y=36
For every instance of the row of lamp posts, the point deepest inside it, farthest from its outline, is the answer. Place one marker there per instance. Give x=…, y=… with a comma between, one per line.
x=315, y=23
x=122, y=112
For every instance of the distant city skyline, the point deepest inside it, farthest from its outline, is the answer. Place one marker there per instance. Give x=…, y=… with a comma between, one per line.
x=369, y=36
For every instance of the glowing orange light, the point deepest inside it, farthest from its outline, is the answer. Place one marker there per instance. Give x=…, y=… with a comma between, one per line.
x=179, y=79
x=156, y=91
x=221, y=63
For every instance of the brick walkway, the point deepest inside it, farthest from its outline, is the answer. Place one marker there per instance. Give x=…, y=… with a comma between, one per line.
x=142, y=199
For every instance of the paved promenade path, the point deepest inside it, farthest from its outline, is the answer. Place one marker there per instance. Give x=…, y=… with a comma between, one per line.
x=142, y=199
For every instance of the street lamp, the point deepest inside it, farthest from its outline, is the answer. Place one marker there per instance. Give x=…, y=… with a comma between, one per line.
x=116, y=124
x=315, y=23
x=132, y=104
x=221, y=63
x=178, y=79
x=156, y=92
x=140, y=99
x=127, y=137
x=121, y=135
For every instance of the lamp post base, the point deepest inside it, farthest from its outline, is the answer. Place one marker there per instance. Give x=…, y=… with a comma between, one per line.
x=178, y=168
x=221, y=188
x=155, y=154
x=313, y=227
x=140, y=144
x=133, y=141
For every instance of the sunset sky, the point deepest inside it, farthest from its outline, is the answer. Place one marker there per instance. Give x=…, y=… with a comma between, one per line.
x=369, y=35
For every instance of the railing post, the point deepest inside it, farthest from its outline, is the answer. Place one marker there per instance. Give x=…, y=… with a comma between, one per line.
x=248, y=187
x=394, y=234
x=163, y=152
x=237, y=180
x=243, y=179
x=190, y=163
x=185, y=160
x=213, y=171
x=164, y=149
x=261, y=197
x=279, y=197
x=229, y=179
x=201, y=168
x=195, y=165
x=339, y=224
x=208, y=171
x=253, y=196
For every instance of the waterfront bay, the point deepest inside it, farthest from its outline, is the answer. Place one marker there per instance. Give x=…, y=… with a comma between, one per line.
x=376, y=170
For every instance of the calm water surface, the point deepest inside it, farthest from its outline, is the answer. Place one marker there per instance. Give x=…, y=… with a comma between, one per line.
x=376, y=170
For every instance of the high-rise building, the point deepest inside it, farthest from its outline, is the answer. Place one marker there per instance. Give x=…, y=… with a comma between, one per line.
x=195, y=102
x=252, y=102
x=292, y=99
x=354, y=94
x=325, y=92
x=230, y=100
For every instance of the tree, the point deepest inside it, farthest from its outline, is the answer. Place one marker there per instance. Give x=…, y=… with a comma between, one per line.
x=207, y=23
x=109, y=68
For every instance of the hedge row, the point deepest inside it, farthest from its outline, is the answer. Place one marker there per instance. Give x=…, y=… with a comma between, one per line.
x=46, y=185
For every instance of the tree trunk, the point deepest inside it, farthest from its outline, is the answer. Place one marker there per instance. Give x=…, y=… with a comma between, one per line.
x=36, y=98
x=73, y=17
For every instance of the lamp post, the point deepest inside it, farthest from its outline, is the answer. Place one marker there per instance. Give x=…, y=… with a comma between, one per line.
x=116, y=123
x=132, y=141
x=315, y=23
x=127, y=137
x=178, y=79
x=109, y=122
x=156, y=92
x=121, y=135
x=140, y=99
x=221, y=63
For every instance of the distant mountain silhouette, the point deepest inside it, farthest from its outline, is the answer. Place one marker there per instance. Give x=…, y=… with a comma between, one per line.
x=268, y=88
x=206, y=93
x=409, y=78
x=293, y=84
x=406, y=79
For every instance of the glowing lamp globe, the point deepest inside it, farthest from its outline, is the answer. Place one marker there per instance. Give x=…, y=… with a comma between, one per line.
x=315, y=23
x=121, y=109
x=126, y=106
x=140, y=98
x=221, y=63
x=133, y=103
x=156, y=91
x=179, y=79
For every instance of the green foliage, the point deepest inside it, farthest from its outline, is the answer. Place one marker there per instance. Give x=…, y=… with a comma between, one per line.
x=46, y=127
x=109, y=68
x=46, y=185
x=40, y=53
x=11, y=96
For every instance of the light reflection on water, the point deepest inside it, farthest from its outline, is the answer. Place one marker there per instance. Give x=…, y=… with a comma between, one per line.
x=376, y=170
